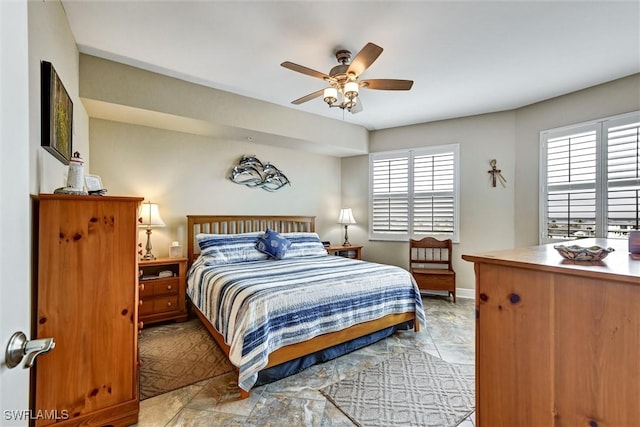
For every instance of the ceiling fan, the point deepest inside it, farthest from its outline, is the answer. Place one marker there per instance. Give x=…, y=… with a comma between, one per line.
x=343, y=79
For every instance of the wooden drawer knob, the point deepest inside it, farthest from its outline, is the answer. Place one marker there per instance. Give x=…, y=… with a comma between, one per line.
x=140, y=303
x=140, y=325
x=141, y=287
x=169, y=287
x=168, y=303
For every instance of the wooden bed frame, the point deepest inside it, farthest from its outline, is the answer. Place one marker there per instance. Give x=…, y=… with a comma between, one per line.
x=230, y=224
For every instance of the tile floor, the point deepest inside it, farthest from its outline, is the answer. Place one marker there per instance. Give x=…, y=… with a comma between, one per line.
x=295, y=401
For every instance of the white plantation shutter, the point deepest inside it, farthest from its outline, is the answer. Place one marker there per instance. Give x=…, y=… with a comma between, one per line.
x=591, y=179
x=571, y=185
x=433, y=193
x=414, y=193
x=623, y=177
x=390, y=201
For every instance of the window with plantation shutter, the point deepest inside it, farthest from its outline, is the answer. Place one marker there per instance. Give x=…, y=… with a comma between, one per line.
x=623, y=177
x=590, y=179
x=433, y=193
x=414, y=193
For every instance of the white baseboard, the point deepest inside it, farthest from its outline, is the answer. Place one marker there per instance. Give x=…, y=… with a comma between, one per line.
x=465, y=293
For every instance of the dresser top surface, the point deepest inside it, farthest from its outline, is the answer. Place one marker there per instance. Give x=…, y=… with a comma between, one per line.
x=544, y=257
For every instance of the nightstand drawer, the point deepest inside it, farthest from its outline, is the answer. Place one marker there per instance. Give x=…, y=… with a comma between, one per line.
x=168, y=286
x=146, y=307
x=163, y=304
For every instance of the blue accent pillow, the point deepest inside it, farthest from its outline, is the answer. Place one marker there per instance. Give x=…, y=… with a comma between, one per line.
x=273, y=244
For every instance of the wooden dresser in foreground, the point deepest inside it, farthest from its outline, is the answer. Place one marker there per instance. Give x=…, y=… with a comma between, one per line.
x=557, y=343
x=87, y=300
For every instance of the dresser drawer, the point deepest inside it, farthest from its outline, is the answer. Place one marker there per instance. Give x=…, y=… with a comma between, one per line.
x=168, y=286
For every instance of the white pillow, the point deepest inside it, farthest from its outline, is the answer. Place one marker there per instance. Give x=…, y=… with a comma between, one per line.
x=304, y=244
x=230, y=248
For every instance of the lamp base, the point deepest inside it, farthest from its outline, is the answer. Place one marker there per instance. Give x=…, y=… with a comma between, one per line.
x=346, y=237
x=148, y=257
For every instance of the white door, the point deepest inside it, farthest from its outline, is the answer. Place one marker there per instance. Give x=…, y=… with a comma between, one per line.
x=15, y=230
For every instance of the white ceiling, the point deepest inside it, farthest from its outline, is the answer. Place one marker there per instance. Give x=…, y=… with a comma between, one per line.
x=465, y=58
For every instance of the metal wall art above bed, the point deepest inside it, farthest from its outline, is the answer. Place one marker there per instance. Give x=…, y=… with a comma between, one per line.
x=251, y=172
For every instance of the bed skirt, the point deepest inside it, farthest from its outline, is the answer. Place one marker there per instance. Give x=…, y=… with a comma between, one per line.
x=292, y=367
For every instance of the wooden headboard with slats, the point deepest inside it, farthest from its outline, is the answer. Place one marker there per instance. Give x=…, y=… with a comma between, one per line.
x=232, y=224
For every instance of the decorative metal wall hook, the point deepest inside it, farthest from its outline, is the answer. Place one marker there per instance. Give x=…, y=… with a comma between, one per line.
x=251, y=172
x=496, y=174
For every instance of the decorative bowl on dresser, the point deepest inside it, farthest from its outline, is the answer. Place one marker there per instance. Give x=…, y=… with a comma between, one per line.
x=582, y=253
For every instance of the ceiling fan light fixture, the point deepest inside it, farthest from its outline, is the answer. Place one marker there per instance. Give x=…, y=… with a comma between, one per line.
x=330, y=95
x=349, y=104
x=343, y=79
x=351, y=90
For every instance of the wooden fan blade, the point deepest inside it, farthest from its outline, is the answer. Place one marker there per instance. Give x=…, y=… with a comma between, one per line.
x=364, y=59
x=305, y=70
x=387, y=84
x=308, y=97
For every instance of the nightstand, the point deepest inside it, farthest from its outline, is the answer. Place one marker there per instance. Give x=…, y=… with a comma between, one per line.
x=351, y=251
x=162, y=290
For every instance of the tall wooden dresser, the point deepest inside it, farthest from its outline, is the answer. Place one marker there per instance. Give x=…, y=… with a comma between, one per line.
x=557, y=341
x=87, y=300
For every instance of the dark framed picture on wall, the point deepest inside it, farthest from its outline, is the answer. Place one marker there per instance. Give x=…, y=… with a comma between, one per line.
x=57, y=114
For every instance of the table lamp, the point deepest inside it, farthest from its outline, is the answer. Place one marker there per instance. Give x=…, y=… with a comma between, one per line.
x=346, y=218
x=149, y=217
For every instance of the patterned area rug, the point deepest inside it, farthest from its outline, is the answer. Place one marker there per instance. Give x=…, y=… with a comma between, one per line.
x=176, y=355
x=411, y=389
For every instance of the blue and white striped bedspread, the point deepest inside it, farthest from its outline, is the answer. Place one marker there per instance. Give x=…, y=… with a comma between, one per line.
x=261, y=306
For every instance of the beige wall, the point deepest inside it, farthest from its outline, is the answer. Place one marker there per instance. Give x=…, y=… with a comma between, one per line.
x=184, y=168
x=616, y=97
x=113, y=87
x=491, y=218
x=174, y=142
x=486, y=213
x=188, y=174
x=50, y=39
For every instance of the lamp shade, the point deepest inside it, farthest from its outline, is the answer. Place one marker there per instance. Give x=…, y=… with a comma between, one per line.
x=149, y=216
x=330, y=95
x=351, y=90
x=346, y=217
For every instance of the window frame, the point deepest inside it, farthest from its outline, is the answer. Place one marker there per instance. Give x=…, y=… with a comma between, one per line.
x=410, y=154
x=601, y=128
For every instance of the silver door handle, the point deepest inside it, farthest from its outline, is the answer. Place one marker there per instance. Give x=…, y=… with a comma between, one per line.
x=19, y=347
